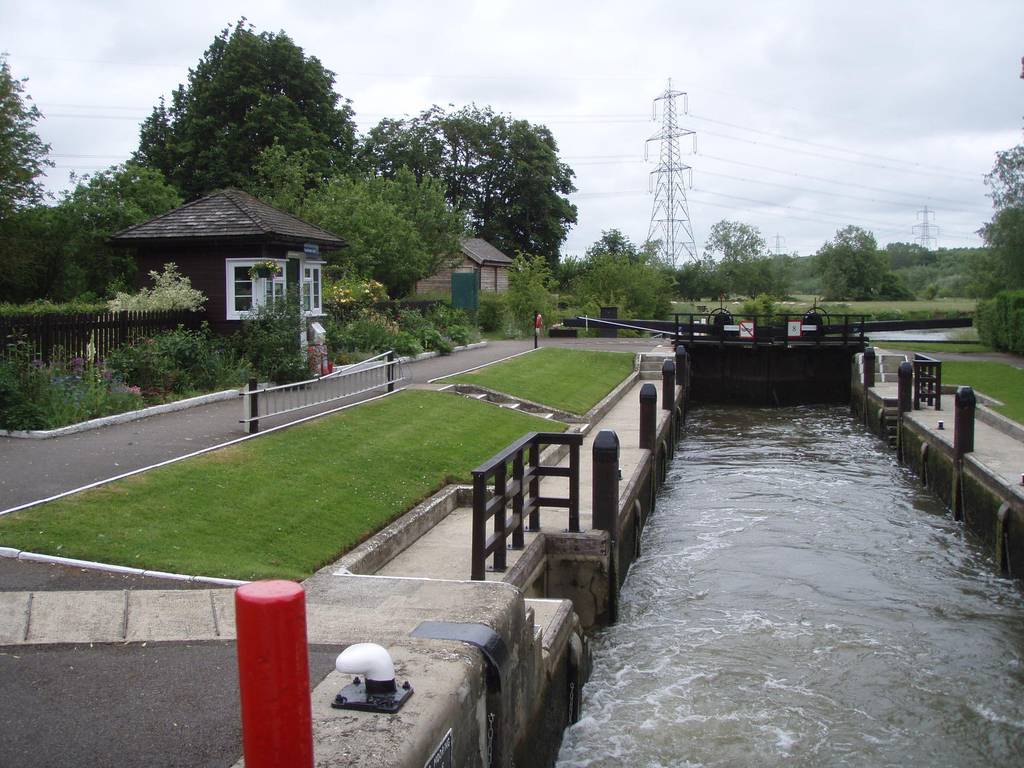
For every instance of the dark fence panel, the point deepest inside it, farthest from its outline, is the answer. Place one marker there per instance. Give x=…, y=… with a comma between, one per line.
x=54, y=336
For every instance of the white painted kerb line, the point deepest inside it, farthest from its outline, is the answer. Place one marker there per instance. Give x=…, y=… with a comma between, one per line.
x=200, y=452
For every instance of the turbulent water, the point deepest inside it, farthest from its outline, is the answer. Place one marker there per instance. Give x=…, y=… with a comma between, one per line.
x=800, y=601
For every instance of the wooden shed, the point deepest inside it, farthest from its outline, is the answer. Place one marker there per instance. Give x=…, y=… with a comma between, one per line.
x=477, y=255
x=217, y=239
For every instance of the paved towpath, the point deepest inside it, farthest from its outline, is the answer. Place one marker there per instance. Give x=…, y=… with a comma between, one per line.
x=37, y=469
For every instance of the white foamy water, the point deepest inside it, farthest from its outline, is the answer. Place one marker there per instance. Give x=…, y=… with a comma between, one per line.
x=800, y=601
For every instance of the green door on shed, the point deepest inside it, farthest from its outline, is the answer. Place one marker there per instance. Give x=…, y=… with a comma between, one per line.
x=465, y=291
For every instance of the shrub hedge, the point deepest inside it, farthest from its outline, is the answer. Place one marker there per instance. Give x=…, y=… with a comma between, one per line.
x=1000, y=321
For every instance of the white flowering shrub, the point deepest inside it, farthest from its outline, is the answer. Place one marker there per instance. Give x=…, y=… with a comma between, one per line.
x=171, y=290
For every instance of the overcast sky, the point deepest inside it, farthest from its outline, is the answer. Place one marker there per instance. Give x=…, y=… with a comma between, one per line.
x=808, y=115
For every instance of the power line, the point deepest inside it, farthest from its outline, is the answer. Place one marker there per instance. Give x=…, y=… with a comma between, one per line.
x=831, y=147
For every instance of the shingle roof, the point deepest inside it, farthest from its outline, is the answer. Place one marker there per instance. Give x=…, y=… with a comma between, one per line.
x=483, y=252
x=229, y=214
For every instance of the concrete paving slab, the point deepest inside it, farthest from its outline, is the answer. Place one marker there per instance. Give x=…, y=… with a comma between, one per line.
x=77, y=617
x=13, y=616
x=166, y=615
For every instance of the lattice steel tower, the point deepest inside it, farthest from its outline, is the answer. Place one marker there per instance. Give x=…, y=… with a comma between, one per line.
x=670, y=217
x=925, y=228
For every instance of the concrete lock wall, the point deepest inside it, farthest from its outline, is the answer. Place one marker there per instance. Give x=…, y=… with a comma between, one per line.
x=988, y=504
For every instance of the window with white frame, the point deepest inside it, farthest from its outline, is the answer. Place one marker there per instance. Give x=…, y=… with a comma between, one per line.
x=311, y=288
x=245, y=292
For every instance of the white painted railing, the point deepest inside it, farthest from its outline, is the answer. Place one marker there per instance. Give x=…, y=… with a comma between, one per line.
x=383, y=372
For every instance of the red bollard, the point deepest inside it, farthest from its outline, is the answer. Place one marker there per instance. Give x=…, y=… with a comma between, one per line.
x=273, y=675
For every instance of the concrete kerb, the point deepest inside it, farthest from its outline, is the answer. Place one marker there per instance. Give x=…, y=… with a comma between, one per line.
x=124, y=418
x=178, y=405
x=18, y=554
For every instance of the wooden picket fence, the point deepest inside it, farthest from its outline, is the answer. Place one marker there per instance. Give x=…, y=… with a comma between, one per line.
x=63, y=336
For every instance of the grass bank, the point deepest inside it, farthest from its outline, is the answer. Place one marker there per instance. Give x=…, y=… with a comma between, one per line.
x=281, y=505
x=904, y=309
x=571, y=380
x=998, y=380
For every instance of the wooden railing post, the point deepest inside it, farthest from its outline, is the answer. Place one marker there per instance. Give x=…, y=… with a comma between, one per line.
x=534, y=484
x=648, y=417
x=518, y=470
x=500, y=488
x=479, y=535
x=574, y=488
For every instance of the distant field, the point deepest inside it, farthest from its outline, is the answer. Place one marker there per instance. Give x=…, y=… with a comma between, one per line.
x=888, y=308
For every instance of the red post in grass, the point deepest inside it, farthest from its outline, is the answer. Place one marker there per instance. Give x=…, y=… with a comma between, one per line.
x=273, y=675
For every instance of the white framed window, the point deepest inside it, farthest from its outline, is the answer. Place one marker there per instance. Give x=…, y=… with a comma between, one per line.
x=312, y=287
x=244, y=293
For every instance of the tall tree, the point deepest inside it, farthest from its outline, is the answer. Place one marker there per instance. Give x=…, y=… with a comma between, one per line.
x=248, y=92
x=618, y=272
x=23, y=155
x=743, y=262
x=398, y=231
x=850, y=265
x=1005, y=233
x=503, y=173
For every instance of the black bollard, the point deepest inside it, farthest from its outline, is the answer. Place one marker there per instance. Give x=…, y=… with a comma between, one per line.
x=869, y=367
x=668, y=385
x=605, y=481
x=648, y=417
x=905, y=377
x=964, y=405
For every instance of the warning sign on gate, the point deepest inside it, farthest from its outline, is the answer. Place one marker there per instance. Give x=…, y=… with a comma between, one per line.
x=746, y=329
x=794, y=327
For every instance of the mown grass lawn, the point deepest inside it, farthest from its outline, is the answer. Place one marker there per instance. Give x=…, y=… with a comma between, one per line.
x=958, y=347
x=281, y=505
x=572, y=380
x=998, y=380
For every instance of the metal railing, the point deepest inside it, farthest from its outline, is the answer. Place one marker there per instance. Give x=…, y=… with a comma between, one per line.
x=381, y=372
x=522, y=493
x=927, y=381
x=769, y=329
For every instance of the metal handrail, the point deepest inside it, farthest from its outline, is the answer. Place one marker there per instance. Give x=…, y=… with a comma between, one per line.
x=354, y=379
x=522, y=493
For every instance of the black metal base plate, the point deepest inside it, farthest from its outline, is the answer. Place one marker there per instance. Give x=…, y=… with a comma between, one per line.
x=354, y=696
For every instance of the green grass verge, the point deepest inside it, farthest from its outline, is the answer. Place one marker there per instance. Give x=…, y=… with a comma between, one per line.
x=959, y=348
x=998, y=380
x=571, y=380
x=281, y=505
x=893, y=309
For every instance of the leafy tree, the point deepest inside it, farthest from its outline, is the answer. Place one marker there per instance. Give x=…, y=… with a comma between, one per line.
x=530, y=283
x=1005, y=233
x=282, y=179
x=903, y=255
x=61, y=252
x=617, y=272
x=744, y=264
x=398, y=231
x=700, y=279
x=503, y=173
x=99, y=206
x=1005, y=236
x=23, y=155
x=850, y=265
x=1007, y=178
x=249, y=92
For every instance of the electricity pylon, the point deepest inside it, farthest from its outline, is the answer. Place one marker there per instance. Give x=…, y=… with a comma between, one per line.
x=925, y=228
x=670, y=217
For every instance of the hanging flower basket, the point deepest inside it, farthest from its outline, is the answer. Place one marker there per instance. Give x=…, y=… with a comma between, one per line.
x=264, y=269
